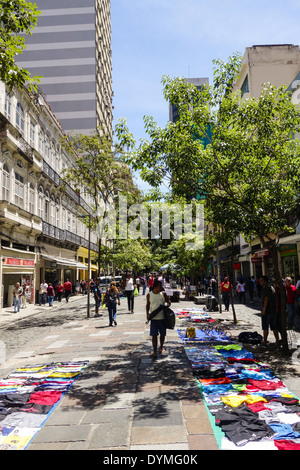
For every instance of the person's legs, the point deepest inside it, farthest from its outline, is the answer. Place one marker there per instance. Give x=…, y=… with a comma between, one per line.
x=154, y=345
x=110, y=314
x=114, y=314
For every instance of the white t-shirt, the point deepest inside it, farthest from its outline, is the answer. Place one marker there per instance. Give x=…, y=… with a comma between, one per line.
x=129, y=284
x=155, y=301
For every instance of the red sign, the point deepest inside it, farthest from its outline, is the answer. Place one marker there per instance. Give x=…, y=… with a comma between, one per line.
x=18, y=262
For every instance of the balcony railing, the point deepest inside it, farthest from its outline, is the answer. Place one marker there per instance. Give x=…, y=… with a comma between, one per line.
x=67, y=188
x=56, y=233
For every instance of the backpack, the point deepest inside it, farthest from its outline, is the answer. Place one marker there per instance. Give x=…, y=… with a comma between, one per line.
x=170, y=318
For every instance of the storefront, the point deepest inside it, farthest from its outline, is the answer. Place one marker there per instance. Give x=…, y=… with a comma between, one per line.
x=54, y=269
x=289, y=260
x=83, y=255
x=16, y=266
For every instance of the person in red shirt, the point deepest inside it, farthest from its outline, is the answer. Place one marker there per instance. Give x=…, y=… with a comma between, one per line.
x=59, y=290
x=67, y=289
x=290, y=301
x=150, y=283
x=226, y=288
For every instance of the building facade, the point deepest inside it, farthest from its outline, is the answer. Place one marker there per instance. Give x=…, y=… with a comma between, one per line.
x=41, y=225
x=71, y=49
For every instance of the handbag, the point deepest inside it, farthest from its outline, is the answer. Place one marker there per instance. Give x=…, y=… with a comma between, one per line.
x=169, y=316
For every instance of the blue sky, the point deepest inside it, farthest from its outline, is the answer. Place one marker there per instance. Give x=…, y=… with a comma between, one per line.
x=152, y=38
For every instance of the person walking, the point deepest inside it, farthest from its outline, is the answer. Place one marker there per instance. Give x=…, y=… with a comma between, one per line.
x=269, y=315
x=43, y=293
x=226, y=289
x=241, y=290
x=129, y=289
x=50, y=294
x=290, y=301
x=111, y=299
x=97, y=296
x=17, y=293
x=59, y=291
x=67, y=289
x=23, y=297
x=155, y=299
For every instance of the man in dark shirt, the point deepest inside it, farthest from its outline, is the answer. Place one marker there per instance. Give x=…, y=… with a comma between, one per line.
x=269, y=316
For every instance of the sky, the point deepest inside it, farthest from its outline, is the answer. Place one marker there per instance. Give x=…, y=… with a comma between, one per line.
x=181, y=38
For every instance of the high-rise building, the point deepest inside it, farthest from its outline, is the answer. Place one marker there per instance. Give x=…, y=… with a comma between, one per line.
x=71, y=49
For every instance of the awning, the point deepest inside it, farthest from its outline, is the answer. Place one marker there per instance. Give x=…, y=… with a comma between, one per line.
x=65, y=262
x=290, y=240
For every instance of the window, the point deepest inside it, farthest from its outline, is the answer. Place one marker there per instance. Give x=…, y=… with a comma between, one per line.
x=5, y=182
x=245, y=86
x=47, y=149
x=20, y=118
x=32, y=133
x=52, y=210
x=57, y=213
x=31, y=199
x=52, y=163
x=47, y=206
x=19, y=190
x=69, y=221
x=64, y=218
x=41, y=202
x=57, y=161
x=42, y=142
x=7, y=105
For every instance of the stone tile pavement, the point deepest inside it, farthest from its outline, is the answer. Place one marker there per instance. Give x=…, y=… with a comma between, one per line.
x=124, y=400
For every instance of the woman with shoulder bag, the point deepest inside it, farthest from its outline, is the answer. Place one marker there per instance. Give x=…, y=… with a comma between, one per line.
x=111, y=299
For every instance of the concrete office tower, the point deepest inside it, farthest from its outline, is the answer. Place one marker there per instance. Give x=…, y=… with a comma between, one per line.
x=71, y=49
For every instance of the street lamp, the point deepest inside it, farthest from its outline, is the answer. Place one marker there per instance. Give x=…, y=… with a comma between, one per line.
x=89, y=263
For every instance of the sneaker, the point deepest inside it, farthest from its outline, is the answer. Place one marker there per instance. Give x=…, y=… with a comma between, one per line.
x=115, y=322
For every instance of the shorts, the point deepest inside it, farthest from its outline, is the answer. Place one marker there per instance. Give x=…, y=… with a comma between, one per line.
x=158, y=327
x=270, y=320
x=97, y=303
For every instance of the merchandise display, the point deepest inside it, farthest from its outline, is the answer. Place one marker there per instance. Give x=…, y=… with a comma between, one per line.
x=248, y=406
x=27, y=398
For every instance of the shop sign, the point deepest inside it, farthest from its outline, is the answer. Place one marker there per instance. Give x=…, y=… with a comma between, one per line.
x=237, y=266
x=17, y=262
x=288, y=250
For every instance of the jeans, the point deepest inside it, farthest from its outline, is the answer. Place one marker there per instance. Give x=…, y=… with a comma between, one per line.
x=226, y=300
x=112, y=312
x=16, y=304
x=130, y=299
x=50, y=300
x=43, y=298
x=290, y=314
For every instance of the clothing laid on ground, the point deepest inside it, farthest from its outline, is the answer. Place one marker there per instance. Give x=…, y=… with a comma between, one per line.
x=28, y=395
x=251, y=407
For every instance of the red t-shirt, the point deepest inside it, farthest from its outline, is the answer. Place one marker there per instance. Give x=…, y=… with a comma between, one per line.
x=291, y=294
x=225, y=287
x=67, y=285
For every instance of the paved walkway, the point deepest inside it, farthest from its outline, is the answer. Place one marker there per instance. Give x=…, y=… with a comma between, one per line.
x=124, y=400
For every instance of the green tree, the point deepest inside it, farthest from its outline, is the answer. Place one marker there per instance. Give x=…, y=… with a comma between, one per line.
x=132, y=255
x=249, y=172
x=99, y=173
x=17, y=19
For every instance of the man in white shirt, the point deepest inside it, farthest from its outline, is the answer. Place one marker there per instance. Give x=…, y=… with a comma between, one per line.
x=129, y=289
